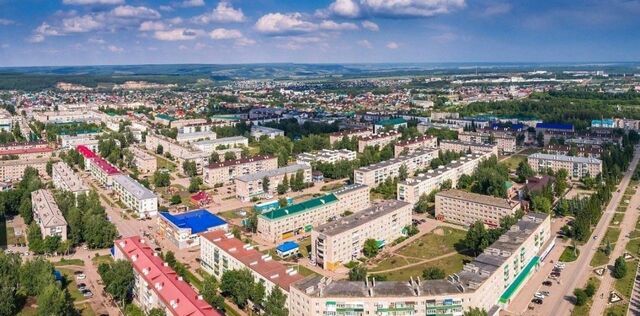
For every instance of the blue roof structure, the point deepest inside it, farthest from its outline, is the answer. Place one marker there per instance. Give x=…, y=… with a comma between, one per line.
x=555, y=126
x=197, y=220
x=287, y=246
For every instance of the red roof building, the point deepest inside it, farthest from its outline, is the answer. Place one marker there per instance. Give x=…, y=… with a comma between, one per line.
x=201, y=198
x=159, y=286
x=85, y=152
x=106, y=167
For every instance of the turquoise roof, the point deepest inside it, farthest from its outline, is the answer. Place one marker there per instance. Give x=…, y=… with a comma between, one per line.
x=166, y=117
x=300, y=207
x=392, y=121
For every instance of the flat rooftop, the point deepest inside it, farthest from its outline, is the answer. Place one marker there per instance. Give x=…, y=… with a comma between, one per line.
x=236, y=162
x=271, y=173
x=71, y=180
x=349, y=188
x=477, y=198
x=197, y=221
x=300, y=207
x=399, y=160
x=222, y=140
x=442, y=169
x=134, y=187
x=360, y=218
x=565, y=158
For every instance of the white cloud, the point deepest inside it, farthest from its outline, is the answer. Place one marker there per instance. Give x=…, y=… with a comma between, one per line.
x=94, y=40
x=497, y=8
x=176, y=20
x=244, y=42
x=365, y=44
x=6, y=22
x=127, y=11
x=394, y=8
x=282, y=24
x=80, y=24
x=90, y=2
x=192, y=3
x=225, y=34
x=392, y=45
x=333, y=26
x=115, y=49
x=224, y=12
x=42, y=31
x=179, y=34
x=370, y=26
x=152, y=26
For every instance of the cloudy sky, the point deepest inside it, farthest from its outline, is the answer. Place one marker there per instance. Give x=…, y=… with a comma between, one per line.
x=89, y=32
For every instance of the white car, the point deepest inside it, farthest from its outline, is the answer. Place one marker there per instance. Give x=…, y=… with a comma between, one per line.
x=538, y=295
x=81, y=276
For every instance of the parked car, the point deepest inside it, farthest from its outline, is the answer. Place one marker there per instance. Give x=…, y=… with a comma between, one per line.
x=537, y=301
x=81, y=276
x=547, y=283
x=87, y=293
x=538, y=295
x=545, y=293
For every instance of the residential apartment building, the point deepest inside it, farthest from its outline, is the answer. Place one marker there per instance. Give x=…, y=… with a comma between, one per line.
x=47, y=214
x=489, y=282
x=181, y=152
x=250, y=185
x=102, y=170
x=411, y=145
x=226, y=171
x=392, y=123
x=380, y=140
x=411, y=189
x=26, y=150
x=258, y=131
x=73, y=141
x=145, y=162
x=506, y=142
x=575, y=150
x=220, y=252
x=13, y=170
x=465, y=208
x=577, y=167
x=326, y=156
x=423, y=127
x=186, y=122
x=87, y=154
x=195, y=137
x=341, y=241
x=6, y=121
x=375, y=174
x=358, y=133
x=353, y=197
x=65, y=179
x=62, y=117
x=156, y=284
x=211, y=145
x=135, y=196
x=196, y=128
x=466, y=147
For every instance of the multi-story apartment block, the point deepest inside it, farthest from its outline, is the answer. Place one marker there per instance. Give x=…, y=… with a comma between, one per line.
x=47, y=214
x=28, y=150
x=65, y=179
x=392, y=123
x=380, y=140
x=575, y=150
x=489, y=282
x=145, y=162
x=423, y=127
x=220, y=252
x=258, y=131
x=6, y=121
x=375, y=174
x=227, y=171
x=326, y=156
x=467, y=147
x=209, y=146
x=411, y=145
x=465, y=208
x=250, y=185
x=135, y=195
x=411, y=189
x=181, y=152
x=13, y=170
x=577, y=167
x=102, y=170
x=186, y=122
x=62, y=117
x=73, y=141
x=195, y=137
x=357, y=133
x=354, y=197
x=195, y=128
x=341, y=241
x=156, y=284
x=506, y=142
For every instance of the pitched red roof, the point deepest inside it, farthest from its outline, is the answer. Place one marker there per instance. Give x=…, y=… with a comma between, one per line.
x=105, y=165
x=85, y=151
x=200, y=196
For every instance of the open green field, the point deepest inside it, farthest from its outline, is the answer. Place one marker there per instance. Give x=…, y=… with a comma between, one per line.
x=441, y=241
x=394, y=261
x=568, y=255
x=513, y=161
x=165, y=163
x=625, y=285
x=584, y=309
x=449, y=264
x=599, y=258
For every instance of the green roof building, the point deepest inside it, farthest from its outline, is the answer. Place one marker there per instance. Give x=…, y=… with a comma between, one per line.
x=395, y=123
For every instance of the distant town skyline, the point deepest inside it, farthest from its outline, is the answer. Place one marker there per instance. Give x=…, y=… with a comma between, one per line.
x=105, y=32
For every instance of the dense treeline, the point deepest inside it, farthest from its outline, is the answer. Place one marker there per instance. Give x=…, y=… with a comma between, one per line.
x=294, y=130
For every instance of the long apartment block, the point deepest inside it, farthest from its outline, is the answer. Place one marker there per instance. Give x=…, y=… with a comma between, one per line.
x=181, y=152
x=465, y=208
x=326, y=156
x=375, y=174
x=410, y=145
x=467, y=147
x=489, y=282
x=250, y=185
x=145, y=162
x=341, y=241
x=226, y=171
x=135, y=195
x=358, y=133
x=411, y=189
x=577, y=167
x=380, y=140
x=13, y=170
x=65, y=179
x=506, y=142
x=47, y=214
x=26, y=150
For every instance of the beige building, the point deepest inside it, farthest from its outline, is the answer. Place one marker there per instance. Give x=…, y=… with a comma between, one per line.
x=145, y=162
x=250, y=185
x=13, y=170
x=214, y=145
x=411, y=189
x=577, y=167
x=354, y=197
x=375, y=174
x=135, y=196
x=465, y=208
x=181, y=152
x=489, y=282
x=29, y=150
x=227, y=171
x=327, y=156
x=65, y=179
x=195, y=137
x=341, y=241
x=47, y=214
x=186, y=122
x=411, y=145
x=358, y=133
x=506, y=142
x=380, y=140
x=465, y=147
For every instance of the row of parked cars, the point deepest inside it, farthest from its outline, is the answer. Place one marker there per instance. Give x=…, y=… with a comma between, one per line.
x=82, y=287
x=538, y=298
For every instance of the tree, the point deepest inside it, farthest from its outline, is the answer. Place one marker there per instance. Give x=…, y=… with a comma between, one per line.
x=159, y=149
x=357, y=273
x=34, y=237
x=282, y=202
x=235, y=283
x=118, y=278
x=265, y=184
x=581, y=297
x=370, y=248
x=560, y=184
x=524, y=171
x=215, y=157
x=176, y=199
x=35, y=275
x=257, y=293
x=156, y=312
x=423, y=204
x=475, y=240
x=189, y=168
x=194, y=184
x=619, y=268
x=476, y=311
x=540, y=203
x=170, y=258
x=433, y=273
x=55, y=301
x=403, y=173
x=229, y=155
x=285, y=184
x=275, y=303
x=209, y=292
x=590, y=290
x=161, y=179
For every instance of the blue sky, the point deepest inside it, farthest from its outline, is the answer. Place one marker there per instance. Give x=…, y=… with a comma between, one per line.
x=89, y=32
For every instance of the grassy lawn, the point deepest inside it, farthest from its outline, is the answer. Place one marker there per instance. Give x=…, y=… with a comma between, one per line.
x=611, y=235
x=616, y=310
x=85, y=309
x=71, y=284
x=599, y=258
x=625, y=285
x=617, y=218
x=568, y=256
x=305, y=246
x=584, y=309
x=69, y=262
x=164, y=163
x=393, y=262
x=633, y=247
x=449, y=264
x=513, y=161
x=97, y=260
x=433, y=244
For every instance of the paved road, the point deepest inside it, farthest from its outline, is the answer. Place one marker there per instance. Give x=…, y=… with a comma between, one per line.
x=559, y=303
